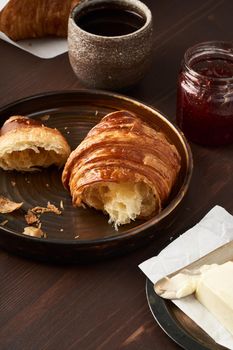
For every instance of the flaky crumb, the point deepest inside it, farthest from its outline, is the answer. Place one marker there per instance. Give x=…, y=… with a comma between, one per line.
x=51, y=208
x=33, y=215
x=27, y=180
x=13, y=183
x=3, y=223
x=34, y=232
x=45, y=117
x=8, y=206
x=76, y=237
x=31, y=218
x=61, y=205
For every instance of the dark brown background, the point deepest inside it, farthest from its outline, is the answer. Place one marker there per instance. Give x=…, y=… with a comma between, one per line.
x=103, y=305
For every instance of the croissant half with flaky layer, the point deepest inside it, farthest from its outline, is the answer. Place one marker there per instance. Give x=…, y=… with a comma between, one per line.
x=123, y=167
x=26, y=145
x=24, y=19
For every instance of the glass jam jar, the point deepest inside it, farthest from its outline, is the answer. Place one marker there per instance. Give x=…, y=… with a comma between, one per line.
x=205, y=94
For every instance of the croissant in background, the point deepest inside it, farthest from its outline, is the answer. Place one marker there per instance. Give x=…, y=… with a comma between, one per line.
x=26, y=144
x=24, y=19
x=123, y=167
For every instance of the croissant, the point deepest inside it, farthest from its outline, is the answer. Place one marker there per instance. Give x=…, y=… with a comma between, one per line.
x=26, y=144
x=24, y=19
x=123, y=167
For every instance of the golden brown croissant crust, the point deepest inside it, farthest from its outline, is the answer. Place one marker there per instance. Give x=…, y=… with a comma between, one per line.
x=18, y=122
x=122, y=149
x=24, y=19
x=26, y=144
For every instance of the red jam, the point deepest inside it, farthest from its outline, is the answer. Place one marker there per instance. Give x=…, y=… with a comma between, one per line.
x=205, y=94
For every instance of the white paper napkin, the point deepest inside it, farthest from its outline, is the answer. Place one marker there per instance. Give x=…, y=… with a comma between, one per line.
x=43, y=48
x=214, y=230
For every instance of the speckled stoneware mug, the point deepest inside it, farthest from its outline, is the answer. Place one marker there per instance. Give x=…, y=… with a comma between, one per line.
x=110, y=42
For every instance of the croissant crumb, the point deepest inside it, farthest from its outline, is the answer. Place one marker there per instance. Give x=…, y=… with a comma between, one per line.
x=8, y=206
x=123, y=202
x=34, y=232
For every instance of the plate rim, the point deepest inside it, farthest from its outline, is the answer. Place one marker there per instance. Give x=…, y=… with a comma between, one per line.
x=149, y=223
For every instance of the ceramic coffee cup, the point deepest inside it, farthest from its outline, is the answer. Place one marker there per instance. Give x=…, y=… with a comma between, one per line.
x=110, y=42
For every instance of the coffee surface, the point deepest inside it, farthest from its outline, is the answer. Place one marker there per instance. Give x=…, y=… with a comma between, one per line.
x=110, y=21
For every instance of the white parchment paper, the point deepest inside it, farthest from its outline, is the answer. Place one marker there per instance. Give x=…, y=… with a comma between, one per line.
x=43, y=48
x=214, y=230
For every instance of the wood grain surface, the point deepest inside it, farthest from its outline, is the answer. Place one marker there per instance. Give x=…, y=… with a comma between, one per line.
x=103, y=305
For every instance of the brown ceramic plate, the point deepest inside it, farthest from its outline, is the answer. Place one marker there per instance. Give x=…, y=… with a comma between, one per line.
x=79, y=234
x=177, y=325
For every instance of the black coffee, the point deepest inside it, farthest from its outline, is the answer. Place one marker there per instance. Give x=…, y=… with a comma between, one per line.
x=109, y=21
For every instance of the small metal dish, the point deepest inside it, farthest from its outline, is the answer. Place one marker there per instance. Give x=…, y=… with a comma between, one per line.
x=177, y=325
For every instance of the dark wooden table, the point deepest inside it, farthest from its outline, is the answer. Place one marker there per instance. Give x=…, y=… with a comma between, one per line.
x=103, y=305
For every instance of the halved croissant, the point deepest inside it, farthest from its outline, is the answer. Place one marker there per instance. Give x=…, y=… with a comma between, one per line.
x=26, y=144
x=24, y=19
x=123, y=167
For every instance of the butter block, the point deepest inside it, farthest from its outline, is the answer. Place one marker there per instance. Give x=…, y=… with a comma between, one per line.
x=215, y=291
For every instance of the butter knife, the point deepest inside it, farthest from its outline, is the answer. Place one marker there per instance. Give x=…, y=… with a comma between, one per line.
x=220, y=255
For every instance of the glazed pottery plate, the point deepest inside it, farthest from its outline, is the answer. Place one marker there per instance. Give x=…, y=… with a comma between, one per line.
x=177, y=325
x=79, y=233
